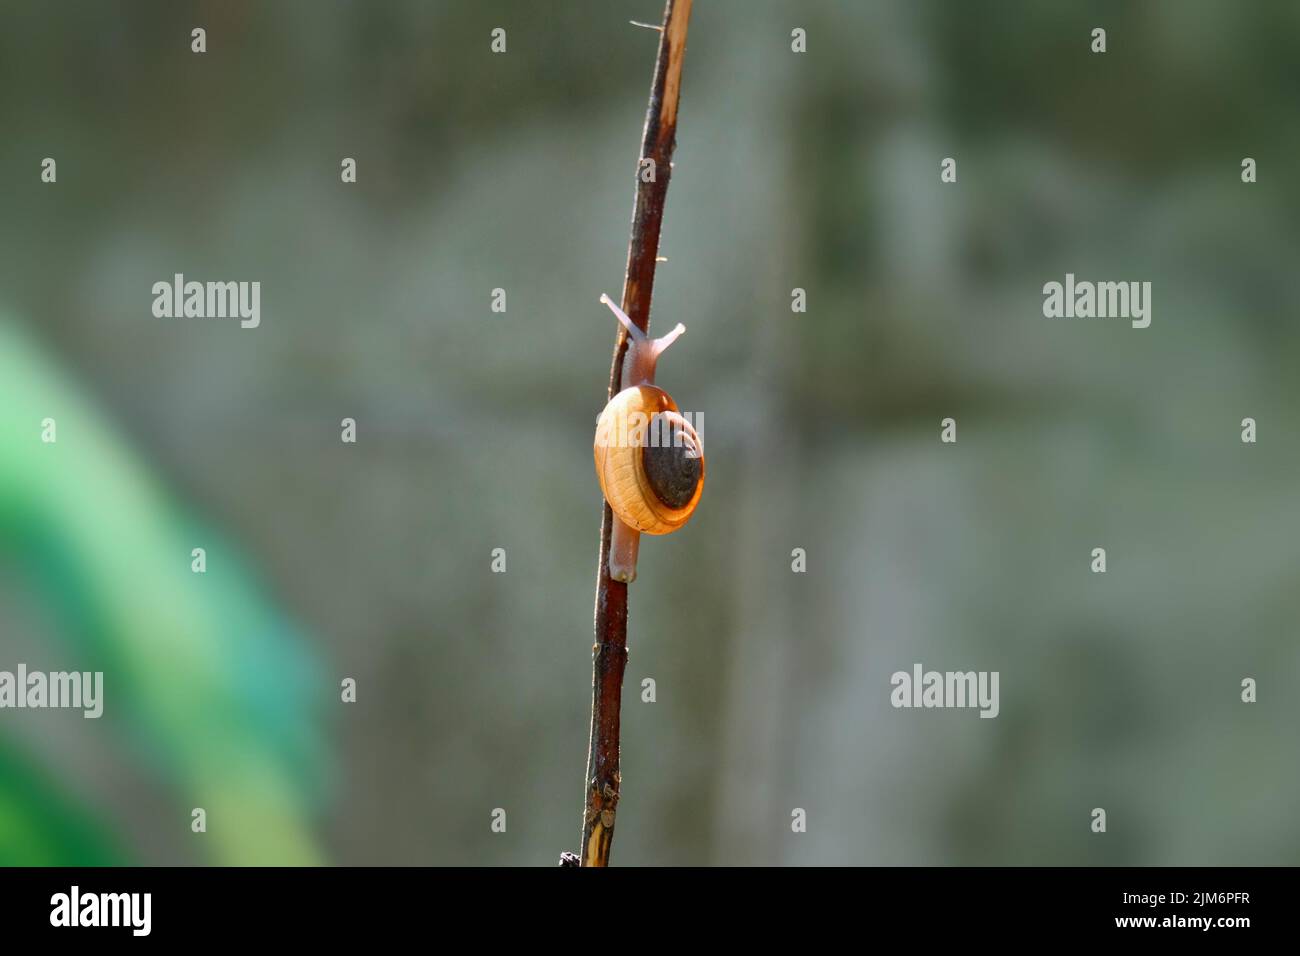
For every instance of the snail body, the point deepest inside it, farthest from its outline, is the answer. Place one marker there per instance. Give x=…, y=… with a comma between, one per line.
x=649, y=457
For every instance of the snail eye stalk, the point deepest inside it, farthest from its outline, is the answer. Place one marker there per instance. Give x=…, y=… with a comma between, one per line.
x=643, y=351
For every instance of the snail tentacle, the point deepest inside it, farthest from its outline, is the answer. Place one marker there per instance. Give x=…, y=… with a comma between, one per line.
x=660, y=345
x=628, y=324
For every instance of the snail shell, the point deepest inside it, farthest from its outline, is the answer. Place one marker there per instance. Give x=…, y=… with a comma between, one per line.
x=649, y=460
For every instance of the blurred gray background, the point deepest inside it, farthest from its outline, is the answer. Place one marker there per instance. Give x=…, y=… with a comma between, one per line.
x=816, y=170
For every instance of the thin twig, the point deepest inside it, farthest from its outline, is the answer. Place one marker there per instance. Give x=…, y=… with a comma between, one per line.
x=609, y=654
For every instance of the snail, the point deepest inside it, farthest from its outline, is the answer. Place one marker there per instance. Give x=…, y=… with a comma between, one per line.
x=649, y=458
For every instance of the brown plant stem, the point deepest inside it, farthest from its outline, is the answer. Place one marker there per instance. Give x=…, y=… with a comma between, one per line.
x=609, y=654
